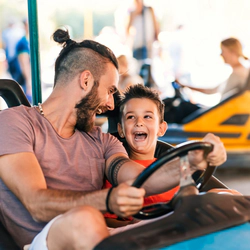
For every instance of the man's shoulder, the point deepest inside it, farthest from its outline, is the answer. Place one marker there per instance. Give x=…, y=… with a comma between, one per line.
x=103, y=138
x=18, y=112
x=98, y=133
x=17, y=109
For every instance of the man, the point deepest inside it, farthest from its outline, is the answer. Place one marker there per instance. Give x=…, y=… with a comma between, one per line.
x=23, y=70
x=10, y=37
x=19, y=60
x=53, y=160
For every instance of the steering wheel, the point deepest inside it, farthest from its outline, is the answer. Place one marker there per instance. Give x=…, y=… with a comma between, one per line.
x=200, y=177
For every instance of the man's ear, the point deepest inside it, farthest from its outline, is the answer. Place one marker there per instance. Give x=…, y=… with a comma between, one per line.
x=119, y=129
x=162, y=128
x=86, y=80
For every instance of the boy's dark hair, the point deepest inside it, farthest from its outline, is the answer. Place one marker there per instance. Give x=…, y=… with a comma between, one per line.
x=76, y=57
x=140, y=91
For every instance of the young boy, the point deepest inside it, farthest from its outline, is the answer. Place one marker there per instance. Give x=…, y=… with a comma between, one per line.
x=141, y=123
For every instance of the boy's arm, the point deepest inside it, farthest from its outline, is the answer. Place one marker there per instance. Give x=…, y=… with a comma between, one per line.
x=120, y=169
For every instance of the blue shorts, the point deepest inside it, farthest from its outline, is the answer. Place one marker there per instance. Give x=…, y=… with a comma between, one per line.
x=40, y=241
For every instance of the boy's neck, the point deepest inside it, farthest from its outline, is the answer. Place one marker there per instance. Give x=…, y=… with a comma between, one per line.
x=140, y=156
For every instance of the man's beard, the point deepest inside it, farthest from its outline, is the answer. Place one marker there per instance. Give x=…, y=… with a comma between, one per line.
x=86, y=108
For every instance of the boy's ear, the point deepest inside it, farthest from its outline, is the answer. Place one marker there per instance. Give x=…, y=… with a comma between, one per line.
x=162, y=128
x=119, y=129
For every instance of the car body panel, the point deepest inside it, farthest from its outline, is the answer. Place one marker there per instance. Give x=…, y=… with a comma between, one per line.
x=202, y=218
x=230, y=120
x=237, y=237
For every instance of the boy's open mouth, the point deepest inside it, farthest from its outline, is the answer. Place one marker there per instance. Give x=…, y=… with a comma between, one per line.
x=140, y=135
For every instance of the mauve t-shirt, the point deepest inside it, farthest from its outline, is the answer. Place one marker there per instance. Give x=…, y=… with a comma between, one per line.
x=76, y=163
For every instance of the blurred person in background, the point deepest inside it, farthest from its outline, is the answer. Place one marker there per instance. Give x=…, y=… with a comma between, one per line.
x=232, y=54
x=10, y=37
x=127, y=77
x=18, y=57
x=23, y=70
x=143, y=29
x=231, y=51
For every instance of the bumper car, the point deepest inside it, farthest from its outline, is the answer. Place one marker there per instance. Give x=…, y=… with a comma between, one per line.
x=194, y=218
x=229, y=120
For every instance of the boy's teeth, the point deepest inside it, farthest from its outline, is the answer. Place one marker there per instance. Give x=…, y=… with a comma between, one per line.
x=140, y=135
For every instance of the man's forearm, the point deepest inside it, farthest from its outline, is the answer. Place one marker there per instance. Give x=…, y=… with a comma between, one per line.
x=50, y=203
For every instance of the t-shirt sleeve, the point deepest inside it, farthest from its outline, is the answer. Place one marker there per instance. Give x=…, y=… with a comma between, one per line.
x=15, y=133
x=112, y=145
x=22, y=46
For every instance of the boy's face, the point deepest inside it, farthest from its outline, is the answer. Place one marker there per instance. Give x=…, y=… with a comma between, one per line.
x=141, y=127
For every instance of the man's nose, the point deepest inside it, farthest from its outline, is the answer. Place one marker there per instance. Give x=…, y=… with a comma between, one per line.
x=111, y=103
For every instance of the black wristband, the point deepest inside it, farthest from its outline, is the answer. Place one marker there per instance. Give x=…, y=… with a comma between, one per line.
x=107, y=201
